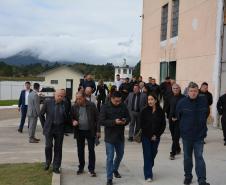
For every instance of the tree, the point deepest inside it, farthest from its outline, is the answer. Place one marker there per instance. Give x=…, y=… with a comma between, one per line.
x=136, y=70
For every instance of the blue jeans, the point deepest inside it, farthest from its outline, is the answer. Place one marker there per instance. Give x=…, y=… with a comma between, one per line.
x=150, y=150
x=200, y=167
x=113, y=164
x=23, y=116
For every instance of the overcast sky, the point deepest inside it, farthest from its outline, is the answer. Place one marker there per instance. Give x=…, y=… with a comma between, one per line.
x=92, y=31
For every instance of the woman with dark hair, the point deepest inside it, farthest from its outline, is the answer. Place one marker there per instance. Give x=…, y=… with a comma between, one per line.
x=153, y=124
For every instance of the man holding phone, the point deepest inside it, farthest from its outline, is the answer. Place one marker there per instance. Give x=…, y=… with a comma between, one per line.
x=114, y=116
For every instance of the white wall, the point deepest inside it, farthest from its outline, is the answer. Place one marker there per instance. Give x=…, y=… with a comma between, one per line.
x=10, y=90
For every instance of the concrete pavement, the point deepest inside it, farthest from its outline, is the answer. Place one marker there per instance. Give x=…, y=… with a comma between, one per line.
x=14, y=148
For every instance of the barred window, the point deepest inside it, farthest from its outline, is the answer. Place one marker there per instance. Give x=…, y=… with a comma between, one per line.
x=175, y=18
x=164, y=21
x=54, y=81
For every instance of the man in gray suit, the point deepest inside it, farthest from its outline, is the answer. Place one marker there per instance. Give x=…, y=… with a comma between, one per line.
x=33, y=112
x=135, y=102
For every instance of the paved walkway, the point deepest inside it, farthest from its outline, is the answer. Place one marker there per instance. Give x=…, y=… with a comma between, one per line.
x=14, y=148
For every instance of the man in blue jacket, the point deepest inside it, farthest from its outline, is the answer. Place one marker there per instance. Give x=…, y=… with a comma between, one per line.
x=192, y=112
x=22, y=105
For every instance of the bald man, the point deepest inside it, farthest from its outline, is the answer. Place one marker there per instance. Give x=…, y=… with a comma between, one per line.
x=89, y=96
x=53, y=116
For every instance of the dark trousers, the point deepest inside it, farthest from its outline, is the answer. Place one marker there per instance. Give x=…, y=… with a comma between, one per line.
x=100, y=101
x=58, y=144
x=134, y=125
x=150, y=150
x=23, y=112
x=175, y=133
x=82, y=135
x=223, y=124
x=200, y=167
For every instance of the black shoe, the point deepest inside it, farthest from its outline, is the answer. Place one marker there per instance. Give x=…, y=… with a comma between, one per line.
x=109, y=182
x=32, y=140
x=36, y=139
x=204, y=183
x=172, y=157
x=117, y=174
x=80, y=171
x=56, y=170
x=46, y=167
x=92, y=174
x=187, y=181
x=66, y=134
x=20, y=130
x=130, y=139
x=225, y=143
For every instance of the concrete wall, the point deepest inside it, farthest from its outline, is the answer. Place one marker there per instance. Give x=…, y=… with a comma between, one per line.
x=10, y=90
x=194, y=49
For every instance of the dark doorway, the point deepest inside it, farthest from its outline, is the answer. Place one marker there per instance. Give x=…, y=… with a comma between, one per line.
x=69, y=88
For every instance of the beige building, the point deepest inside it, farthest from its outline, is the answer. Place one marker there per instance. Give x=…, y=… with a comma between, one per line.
x=63, y=77
x=183, y=39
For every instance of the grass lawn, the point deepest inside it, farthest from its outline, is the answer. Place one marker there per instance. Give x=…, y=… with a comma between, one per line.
x=8, y=102
x=24, y=174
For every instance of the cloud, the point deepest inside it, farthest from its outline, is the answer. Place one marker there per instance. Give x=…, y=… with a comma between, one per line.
x=93, y=31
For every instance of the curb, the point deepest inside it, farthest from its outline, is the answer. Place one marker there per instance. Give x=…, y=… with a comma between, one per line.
x=56, y=179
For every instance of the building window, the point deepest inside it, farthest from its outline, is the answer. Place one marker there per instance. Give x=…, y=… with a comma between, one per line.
x=164, y=21
x=130, y=71
x=175, y=18
x=163, y=71
x=124, y=71
x=167, y=69
x=119, y=71
x=54, y=81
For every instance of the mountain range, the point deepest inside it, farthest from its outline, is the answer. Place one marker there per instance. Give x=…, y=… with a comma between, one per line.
x=26, y=58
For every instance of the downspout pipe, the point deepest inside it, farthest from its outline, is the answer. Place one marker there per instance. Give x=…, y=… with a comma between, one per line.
x=218, y=59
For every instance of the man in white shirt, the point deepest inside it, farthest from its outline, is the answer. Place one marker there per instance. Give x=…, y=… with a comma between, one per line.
x=23, y=103
x=118, y=81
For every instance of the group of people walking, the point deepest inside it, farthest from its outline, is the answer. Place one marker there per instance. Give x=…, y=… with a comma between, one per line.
x=132, y=103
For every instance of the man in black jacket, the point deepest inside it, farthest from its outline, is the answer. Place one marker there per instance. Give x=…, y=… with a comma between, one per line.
x=114, y=116
x=85, y=120
x=53, y=129
x=173, y=122
x=166, y=93
x=221, y=107
x=67, y=104
x=89, y=82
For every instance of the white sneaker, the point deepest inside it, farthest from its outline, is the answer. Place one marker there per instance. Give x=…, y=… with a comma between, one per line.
x=149, y=180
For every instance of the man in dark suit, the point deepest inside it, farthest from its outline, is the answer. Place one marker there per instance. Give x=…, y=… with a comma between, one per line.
x=135, y=102
x=22, y=105
x=53, y=122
